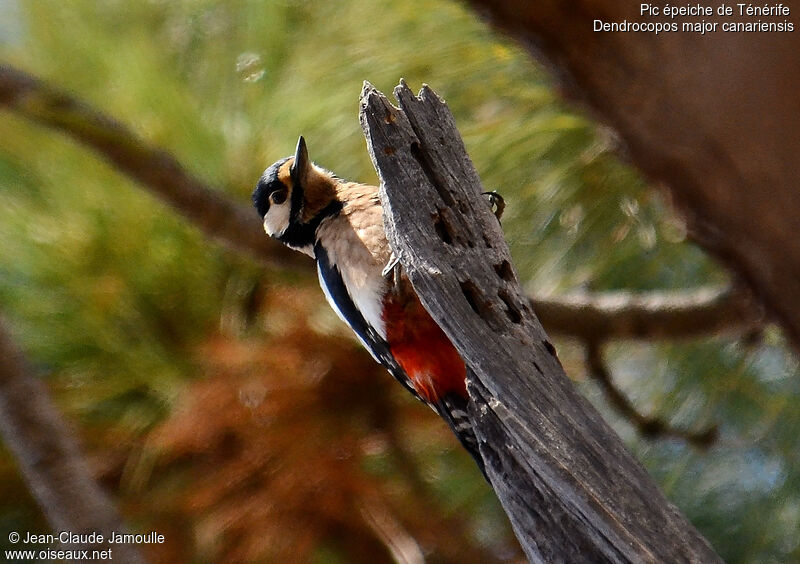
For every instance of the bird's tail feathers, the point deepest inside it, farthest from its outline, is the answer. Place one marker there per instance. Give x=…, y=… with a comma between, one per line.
x=453, y=409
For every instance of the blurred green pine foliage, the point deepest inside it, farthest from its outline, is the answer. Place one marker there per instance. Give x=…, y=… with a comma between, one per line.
x=112, y=295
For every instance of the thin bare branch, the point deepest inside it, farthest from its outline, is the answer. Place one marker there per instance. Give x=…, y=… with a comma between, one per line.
x=647, y=425
x=621, y=315
x=651, y=315
x=155, y=169
x=49, y=457
x=398, y=542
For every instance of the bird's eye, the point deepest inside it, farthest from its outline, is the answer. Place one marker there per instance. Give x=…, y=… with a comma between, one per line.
x=278, y=197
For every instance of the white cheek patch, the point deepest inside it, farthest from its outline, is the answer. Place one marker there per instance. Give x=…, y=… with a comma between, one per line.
x=277, y=219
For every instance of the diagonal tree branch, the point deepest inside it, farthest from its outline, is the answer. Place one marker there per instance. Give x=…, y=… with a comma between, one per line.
x=49, y=456
x=648, y=426
x=587, y=316
x=210, y=210
x=613, y=316
x=620, y=315
x=603, y=317
x=572, y=491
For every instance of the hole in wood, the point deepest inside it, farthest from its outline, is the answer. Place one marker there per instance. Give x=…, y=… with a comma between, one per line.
x=550, y=348
x=442, y=229
x=512, y=311
x=486, y=241
x=504, y=271
x=471, y=293
x=476, y=300
x=389, y=151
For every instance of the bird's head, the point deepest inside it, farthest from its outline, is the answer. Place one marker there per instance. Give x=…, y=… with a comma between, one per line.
x=293, y=196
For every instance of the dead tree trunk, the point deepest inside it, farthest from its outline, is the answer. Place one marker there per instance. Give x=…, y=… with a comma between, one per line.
x=571, y=489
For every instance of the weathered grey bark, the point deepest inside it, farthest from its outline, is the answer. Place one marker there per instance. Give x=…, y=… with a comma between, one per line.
x=714, y=118
x=571, y=489
x=50, y=460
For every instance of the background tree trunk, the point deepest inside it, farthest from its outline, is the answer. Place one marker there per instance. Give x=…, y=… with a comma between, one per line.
x=572, y=491
x=51, y=461
x=715, y=118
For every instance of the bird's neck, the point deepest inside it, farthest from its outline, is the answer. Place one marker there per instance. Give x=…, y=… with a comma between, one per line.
x=301, y=235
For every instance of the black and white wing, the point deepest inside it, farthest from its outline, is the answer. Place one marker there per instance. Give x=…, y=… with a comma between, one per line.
x=330, y=279
x=452, y=408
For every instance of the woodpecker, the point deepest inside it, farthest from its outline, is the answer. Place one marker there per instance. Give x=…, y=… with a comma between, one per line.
x=340, y=225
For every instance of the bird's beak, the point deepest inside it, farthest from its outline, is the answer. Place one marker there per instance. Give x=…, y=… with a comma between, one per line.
x=301, y=161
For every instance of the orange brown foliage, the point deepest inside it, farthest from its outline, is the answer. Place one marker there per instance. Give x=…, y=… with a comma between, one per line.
x=264, y=458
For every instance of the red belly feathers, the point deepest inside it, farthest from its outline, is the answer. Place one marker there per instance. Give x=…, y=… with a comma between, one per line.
x=422, y=349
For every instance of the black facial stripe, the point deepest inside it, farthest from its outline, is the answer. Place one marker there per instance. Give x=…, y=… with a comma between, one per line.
x=304, y=234
x=267, y=184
